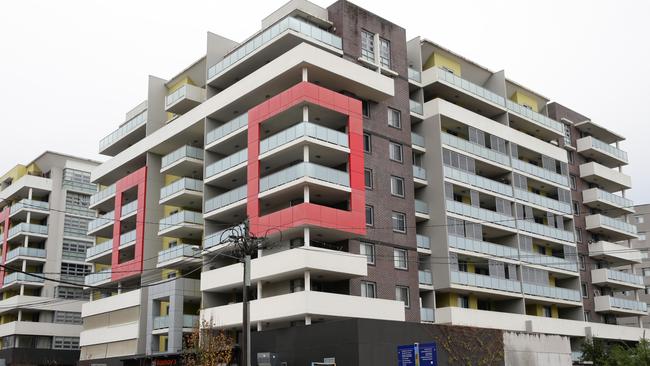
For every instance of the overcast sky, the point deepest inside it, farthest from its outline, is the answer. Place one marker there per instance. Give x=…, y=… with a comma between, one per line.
x=71, y=69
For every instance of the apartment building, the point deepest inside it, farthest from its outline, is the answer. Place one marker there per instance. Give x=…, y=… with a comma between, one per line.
x=393, y=180
x=44, y=214
x=640, y=218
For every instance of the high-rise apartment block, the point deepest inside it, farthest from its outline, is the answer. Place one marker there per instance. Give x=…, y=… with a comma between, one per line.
x=394, y=180
x=43, y=231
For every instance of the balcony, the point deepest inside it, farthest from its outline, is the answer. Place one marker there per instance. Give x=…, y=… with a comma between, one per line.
x=614, y=254
x=183, y=224
x=613, y=229
x=425, y=279
x=414, y=75
x=609, y=180
x=126, y=135
x=301, y=133
x=549, y=261
x=284, y=35
x=127, y=239
x=229, y=170
x=180, y=256
x=100, y=253
x=421, y=210
x=26, y=253
x=617, y=280
x=617, y=306
x=184, y=98
x=20, y=231
x=102, y=226
x=601, y=152
x=297, y=305
x=475, y=149
x=556, y=293
x=533, y=123
x=613, y=204
x=427, y=315
x=185, y=192
x=545, y=230
x=416, y=108
x=98, y=278
x=288, y=264
x=19, y=278
x=478, y=181
x=222, y=206
x=102, y=196
x=542, y=201
x=423, y=242
x=38, y=210
x=418, y=142
x=225, y=133
x=128, y=210
x=332, y=180
x=482, y=247
x=486, y=282
x=419, y=176
x=540, y=172
x=486, y=216
x=442, y=83
x=186, y=161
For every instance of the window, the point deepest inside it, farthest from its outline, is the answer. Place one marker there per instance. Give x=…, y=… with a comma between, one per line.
x=368, y=289
x=368, y=46
x=66, y=343
x=75, y=249
x=75, y=226
x=576, y=208
x=642, y=237
x=573, y=181
x=547, y=311
x=646, y=272
x=400, y=258
x=365, y=108
x=394, y=118
x=395, y=152
x=370, y=216
x=384, y=53
x=67, y=317
x=647, y=290
x=397, y=186
x=77, y=199
x=74, y=269
x=78, y=176
x=367, y=175
x=583, y=288
x=567, y=138
x=402, y=294
x=297, y=285
x=587, y=316
x=462, y=266
x=72, y=293
x=367, y=145
x=579, y=235
x=570, y=157
x=399, y=222
x=639, y=219
x=463, y=302
x=581, y=258
x=368, y=250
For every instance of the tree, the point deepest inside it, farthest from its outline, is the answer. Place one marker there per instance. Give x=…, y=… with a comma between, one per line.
x=207, y=347
x=601, y=354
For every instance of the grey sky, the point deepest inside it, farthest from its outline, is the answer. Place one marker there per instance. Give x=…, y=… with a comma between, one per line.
x=71, y=69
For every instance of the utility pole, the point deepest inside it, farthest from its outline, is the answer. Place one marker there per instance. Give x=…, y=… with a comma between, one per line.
x=246, y=330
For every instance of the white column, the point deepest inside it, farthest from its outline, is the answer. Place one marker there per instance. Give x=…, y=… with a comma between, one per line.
x=306, y=236
x=259, y=296
x=305, y=74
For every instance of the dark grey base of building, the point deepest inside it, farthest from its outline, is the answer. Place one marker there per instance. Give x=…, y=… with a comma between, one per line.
x=38, y=357
x=157, y=360
x=363, y=342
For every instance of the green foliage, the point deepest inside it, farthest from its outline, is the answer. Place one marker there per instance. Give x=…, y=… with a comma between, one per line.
x=602, y=354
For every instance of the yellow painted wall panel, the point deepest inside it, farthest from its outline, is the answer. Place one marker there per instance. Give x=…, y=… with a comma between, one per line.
x=523, y=99
x=441, y=61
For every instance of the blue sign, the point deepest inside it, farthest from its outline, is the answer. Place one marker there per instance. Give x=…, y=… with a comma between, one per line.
x=424, y=354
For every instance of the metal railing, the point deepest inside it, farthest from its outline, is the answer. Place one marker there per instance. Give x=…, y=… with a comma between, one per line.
x=414, y=75
x=540, y=172
x=22, y=277
x=482, y=214
x=551, y=292
x=478, y=181
x=416, y=107
x=549, y=261
x=609, y=149
x=419, y=172
x=227, y=128
x=421, y=207
x=304, y=169
x=25, y=252
x=123, y=130
x=127, y=237
x=623, y=277
x=613, y=198
x=181, y=218
x=535, y=116
x=181, y=153
x=484, y=247
x=227, y=198
x=103, y=194
x=96, y=277
x=542, y=201
x=179, y=251
x=417, y=140
x=423, y=241
x=545, y=230
x=617, y=224
x=425, y=277
x=226, y=163
x=427, y=315
x=303, y=129
x=28, y=204
x=176, y=95
x=129, y=208
x=616, y=302
x=470, y=87
x=189, y=184
x=270, y=34
x=476, y=149
x=478, y=280
x=27, y=228
x=104, y=247
x=102, y=220
x=217, y=238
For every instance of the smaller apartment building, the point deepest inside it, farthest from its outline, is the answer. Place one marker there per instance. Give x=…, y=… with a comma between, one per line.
x=43, y=222
x=641, y=218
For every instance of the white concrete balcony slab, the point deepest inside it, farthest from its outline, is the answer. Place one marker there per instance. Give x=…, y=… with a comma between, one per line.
x=612, y=228
x=46, y=329
x=607, y=179
x=486, y=284
x=115, y=333
x=34, y=231
x=601, y=152
x=329, y=264
x=20, y=188
x=26, y=253
x=38, y=210
x=102, y=226
x=618, y=306
x=183, y=224
x=615, y=254
x=227, y=206
x=616, y=280
x=126, y=135
x=297, y=305
x=613, y=204
x=186, y=161
x=233, y=130
x=184, y=98
x=181, y=255
x=228, y=171
x=185, y=192
x=557, y=294
x=421, y=210
x=113, y=303
x=296, y=176
x=17, y=279
x=103, y=196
